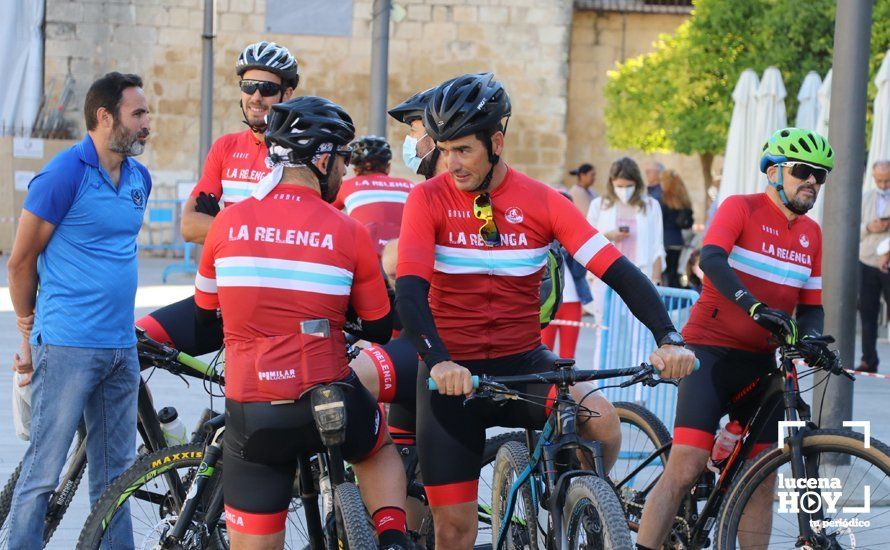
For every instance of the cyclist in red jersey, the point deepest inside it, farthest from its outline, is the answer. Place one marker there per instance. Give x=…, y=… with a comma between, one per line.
x=373, y=197
x=468, y=295
x=285, y=269
x=234, y=165
x=236, y=161
x=760, y=249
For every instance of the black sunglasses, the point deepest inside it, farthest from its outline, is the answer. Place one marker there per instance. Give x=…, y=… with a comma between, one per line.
x=346, y=154
x=803, y=171
x=267, y=89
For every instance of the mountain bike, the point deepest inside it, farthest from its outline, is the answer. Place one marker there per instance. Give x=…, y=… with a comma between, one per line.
x=579, y=506
x=828, y=478
x=181, y=486
x=152, y=354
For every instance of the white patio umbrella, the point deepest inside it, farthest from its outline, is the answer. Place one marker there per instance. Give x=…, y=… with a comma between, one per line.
x=808, y=102
x=769, y=117
x=880, y=123
x=824, y=99
x=737, y=156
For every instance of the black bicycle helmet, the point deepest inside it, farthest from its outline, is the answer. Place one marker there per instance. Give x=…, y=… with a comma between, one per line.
x=412, y=108
x=373, y=150
x=269, y=56
x=297, y=128
x=465, y=105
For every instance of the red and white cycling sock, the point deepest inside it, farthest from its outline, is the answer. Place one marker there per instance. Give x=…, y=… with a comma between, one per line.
x=390, y=523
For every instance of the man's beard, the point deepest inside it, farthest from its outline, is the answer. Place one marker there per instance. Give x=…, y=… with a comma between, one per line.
x=125, y=142
x=803, y=203
x=329, y=192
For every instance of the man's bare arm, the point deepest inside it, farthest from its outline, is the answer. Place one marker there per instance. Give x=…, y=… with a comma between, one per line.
x=194, y=224
x=30, y=240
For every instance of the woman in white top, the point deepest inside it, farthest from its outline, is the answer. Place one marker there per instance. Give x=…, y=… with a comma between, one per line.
x=631, y=219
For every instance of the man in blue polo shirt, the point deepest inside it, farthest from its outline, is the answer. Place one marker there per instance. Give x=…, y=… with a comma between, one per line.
x=76, y=240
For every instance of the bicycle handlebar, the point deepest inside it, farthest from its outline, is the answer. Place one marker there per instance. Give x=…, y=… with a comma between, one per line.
x=645, y=373
x=169, y=357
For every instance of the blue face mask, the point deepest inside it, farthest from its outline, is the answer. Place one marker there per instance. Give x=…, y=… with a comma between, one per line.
x=409, y=153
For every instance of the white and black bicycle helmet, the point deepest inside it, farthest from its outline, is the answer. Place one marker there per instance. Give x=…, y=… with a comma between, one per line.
x=298, y=128
x=269, y=56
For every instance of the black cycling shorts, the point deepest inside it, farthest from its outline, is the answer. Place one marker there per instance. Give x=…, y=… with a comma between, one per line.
x=727, y=381
x=264, y=442
x=176, y=325
x=451, y=436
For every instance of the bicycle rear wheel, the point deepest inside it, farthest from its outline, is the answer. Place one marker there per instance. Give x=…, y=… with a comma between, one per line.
x=638, y=466
x=353, y=529
x=522, y=529
x=848, y=478
x=593, y=516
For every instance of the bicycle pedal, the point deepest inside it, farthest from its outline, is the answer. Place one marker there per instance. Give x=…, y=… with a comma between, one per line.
x=329, y=411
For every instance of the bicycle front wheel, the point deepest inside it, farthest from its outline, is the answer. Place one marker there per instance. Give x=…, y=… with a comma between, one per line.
x=845, y=497
x=148, y=498
x=593, y=516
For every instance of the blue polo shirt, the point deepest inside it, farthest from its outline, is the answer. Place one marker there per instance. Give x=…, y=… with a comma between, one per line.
x=88, y=271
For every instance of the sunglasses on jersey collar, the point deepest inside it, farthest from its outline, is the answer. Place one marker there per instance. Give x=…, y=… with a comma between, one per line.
x=483, y=210
x=803, y=171
x=267, y=89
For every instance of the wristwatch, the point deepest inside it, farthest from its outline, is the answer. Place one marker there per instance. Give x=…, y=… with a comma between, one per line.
x=672, y=338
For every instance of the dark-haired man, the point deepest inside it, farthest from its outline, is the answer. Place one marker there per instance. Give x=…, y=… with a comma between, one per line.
x=472, y=249
x=236, y=162
x=77, y=237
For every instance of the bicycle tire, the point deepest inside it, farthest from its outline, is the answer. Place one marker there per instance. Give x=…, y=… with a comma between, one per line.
x=592, y=506
x=642, y=434
x=133, y=482
x=353, y=528
x=838, y=441
x=426, y=533
x=522, y=533
x=6, y=503
x=61, y=499
x=64, y=494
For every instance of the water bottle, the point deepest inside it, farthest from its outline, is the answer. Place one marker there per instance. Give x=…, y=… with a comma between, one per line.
x=172, y=426
x=724, y=443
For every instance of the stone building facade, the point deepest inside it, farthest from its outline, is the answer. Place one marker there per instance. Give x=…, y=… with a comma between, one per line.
x=551, y=55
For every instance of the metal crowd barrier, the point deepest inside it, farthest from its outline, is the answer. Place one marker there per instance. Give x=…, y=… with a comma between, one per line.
x=624, y=341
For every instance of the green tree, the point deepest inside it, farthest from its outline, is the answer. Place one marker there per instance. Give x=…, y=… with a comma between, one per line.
x=678, y=98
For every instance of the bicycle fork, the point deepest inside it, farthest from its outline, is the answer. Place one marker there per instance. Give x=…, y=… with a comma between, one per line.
x=212, y=453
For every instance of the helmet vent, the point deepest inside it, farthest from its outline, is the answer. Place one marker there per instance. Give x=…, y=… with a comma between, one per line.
x=793, y=149
x=781, y=150
x=804, y=145
x=785, y=133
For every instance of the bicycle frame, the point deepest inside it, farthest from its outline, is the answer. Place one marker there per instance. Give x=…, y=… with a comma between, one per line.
x=558, y=437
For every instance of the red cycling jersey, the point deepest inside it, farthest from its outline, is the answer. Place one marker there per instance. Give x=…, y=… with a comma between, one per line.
x=377, y=201
x=778, y=261
x=234, y=165
x=271, y=264
x=486, y=300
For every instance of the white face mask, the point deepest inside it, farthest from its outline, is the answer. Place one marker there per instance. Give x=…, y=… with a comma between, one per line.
x=409, y=153
x=624, y=193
